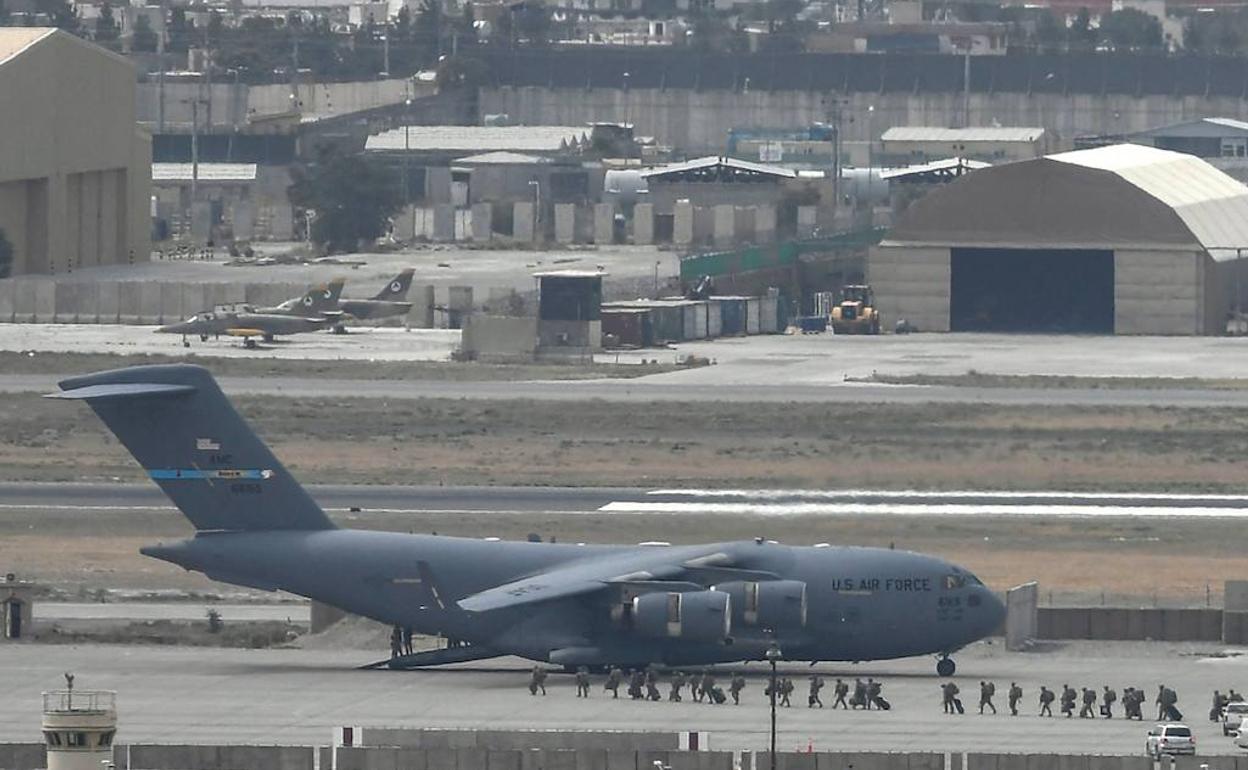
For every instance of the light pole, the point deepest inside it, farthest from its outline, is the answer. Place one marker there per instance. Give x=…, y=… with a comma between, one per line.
x=407, y=154
x=656, y=278
x=773, y=655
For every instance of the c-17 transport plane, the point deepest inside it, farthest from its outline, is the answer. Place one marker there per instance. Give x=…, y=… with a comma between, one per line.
x=567, y=604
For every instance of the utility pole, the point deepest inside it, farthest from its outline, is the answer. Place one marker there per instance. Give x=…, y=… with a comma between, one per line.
x=160, y=73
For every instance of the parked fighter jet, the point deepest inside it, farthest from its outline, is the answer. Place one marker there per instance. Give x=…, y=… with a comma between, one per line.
x=388, y=302
x=572, y=605
x=319, y=302
x=313, y=311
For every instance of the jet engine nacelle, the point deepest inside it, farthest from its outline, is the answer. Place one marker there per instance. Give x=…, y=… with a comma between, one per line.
x=779, y=605
x=696, y=616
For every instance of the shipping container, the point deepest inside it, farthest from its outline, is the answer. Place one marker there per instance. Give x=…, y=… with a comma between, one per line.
x=753, y=315
x=769, y=315
x=732, y=315
x=714, y=320
x=630, y=327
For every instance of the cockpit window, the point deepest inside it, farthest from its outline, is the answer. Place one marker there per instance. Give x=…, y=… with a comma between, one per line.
x=954, y=582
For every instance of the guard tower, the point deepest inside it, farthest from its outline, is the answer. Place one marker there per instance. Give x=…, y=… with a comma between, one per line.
x=569, y=315
x=78, y=727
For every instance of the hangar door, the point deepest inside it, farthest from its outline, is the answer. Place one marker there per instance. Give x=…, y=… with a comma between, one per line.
x=1032, y=290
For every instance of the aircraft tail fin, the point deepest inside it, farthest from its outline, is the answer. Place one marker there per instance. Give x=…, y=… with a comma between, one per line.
x=321, y=299
x=187, y=435
x=396, y=290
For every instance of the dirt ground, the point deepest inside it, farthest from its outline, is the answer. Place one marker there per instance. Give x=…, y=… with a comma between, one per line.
x=821, y=446
x=78, y=363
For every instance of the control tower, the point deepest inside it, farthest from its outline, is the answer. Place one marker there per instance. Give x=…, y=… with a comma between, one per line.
x=78, y=727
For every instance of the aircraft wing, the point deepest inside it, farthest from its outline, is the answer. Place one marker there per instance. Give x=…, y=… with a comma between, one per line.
x=642, y=564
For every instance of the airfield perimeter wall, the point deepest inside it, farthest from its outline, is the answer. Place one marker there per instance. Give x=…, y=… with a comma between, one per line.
x=1114, y=623
x=30, y=756
x=46, y=300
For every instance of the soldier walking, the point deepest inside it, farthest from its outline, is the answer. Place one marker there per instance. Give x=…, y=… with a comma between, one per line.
x=635, y=681
x=1089, y=700
x=1131, y=699
x=652, y=685
x=678, y=684
x=1108, y=698
x=582, y=682
x=614, y=678
x=735, y=687
x=860, y=695
x=707, y=687
x=1068, y=701
x=537, y=681
x=840, y=690
x=874, y=689
x=1046, y=701
x=986, y=691
x=1016, y=694
x=786, y=692
x=812, y=698
x=396, y=643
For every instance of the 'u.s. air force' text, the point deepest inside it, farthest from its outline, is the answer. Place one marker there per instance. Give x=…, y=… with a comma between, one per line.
x=882, y=584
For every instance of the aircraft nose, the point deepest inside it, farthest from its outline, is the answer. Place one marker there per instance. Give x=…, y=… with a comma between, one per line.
x=177, y=328
x=993, y=610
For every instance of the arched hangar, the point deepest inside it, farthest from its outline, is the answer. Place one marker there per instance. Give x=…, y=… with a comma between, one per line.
x=1123, y=239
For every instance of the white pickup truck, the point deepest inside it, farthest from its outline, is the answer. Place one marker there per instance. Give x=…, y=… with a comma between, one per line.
x=1232, y=715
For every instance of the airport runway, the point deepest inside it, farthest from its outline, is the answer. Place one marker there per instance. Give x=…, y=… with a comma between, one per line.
x=363, y=500
x=208, y=695
x=664, y=388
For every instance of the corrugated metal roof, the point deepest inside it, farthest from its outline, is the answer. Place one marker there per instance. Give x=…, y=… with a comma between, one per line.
x=1212, y=204
x=979, y=134
x=948, y=164
x=208, y=172
x=502, y=158
x=478, y=139
x=1210, y=128
x=718, y=160
x=14, y=40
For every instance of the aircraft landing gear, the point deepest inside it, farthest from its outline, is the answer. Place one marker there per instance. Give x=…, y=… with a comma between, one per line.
x=185, y=342
x=340, y=329
x=249, y=343
x=202, y=338
x=946, y=667
x=268, y=338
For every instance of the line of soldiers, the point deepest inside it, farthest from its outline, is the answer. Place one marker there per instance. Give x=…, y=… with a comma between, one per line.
x=1086, y=701
x=643, y=684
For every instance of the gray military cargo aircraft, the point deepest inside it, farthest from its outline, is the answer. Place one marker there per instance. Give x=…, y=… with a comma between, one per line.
x=314, y=311
x=572, y=605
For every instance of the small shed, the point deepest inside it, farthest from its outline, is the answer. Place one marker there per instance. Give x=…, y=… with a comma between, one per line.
x=569, y=312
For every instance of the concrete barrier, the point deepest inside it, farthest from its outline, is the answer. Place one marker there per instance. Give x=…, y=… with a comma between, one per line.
x=44, y=293
x=207, y=757
x=8, y=300
x=109, y=303
x=129, y=302
x=149, y=302
x=22, y=756
x=604, y=223
x=565, y=222
x=1106, y=623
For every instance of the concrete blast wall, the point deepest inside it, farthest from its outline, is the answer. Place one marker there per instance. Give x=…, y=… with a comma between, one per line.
x=489, y=750
x=1105, y=623
x=1021, y=615
x=45, y=300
